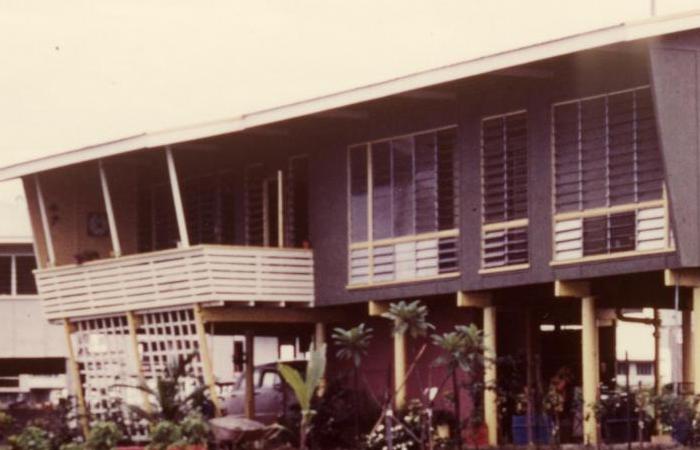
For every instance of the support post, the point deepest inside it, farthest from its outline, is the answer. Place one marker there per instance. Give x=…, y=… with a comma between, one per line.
x=280, y=209
x=590, y=368
x=116, y=246
x=490, y=375
x=206, y=359
x=400, y=365
x=177, y=199
x=687, y=349
x=319, y=340
x=75, y=375
x=249, y=372
x=45, y=222
x=132, y=323
x=530, y=378
x=696, y=339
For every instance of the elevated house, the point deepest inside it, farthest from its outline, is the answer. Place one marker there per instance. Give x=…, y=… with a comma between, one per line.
x=536, y=192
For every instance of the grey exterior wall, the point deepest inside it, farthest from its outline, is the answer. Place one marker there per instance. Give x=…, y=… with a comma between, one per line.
x=577, y=76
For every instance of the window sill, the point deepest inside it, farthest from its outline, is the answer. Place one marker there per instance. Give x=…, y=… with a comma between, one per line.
x=351, y=287
x=612, y=256
x=501, y=269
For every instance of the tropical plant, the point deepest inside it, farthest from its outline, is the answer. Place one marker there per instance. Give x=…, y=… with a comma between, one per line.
x=195, y=429
x=352, y=345
x=168, y=400
x=304, y=389
x=409, y=317
x=31, y=438
x=103, y=436
x=462, y=349
x=164, y=434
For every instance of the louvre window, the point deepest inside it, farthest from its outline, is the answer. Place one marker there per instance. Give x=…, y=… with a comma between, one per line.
x=403, y=207
x=609, y=195
x=208, y=204
x=504, y=190
x=262, y=188
x=17, y=275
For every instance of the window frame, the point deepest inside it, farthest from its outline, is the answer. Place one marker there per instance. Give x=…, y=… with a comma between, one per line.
x=370, y=243
x=505, y=225
x=606, y=211
x=13, y=274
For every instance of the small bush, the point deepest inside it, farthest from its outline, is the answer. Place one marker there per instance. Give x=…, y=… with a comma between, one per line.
x=165, y=434
x=195, y=429
x=103, y=436
x=31, y=438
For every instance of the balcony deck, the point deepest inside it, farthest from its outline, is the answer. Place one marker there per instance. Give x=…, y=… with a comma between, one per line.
x=170, y=278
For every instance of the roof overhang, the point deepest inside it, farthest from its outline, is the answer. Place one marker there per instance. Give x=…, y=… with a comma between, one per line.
x=620, y=33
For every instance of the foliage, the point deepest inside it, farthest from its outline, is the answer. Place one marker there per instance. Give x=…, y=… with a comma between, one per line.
x=462, y=348
x=334, y=425
x=6, y=421
x=673, y=409
x=406, y=433
x=103, y=436
x=195, y=429
x=169, y=402
x=164, y=434
x=304, y=389
x=409, y=317
x=72, y=446
x=31, y=438
x=352, y=344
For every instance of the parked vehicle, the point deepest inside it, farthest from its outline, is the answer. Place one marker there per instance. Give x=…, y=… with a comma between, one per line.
x=273, y=397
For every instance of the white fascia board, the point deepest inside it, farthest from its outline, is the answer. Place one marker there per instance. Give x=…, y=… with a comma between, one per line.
x=511, y=58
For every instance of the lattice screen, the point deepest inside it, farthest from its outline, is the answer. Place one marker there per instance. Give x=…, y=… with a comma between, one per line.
x=166, y=337
x=105, y=358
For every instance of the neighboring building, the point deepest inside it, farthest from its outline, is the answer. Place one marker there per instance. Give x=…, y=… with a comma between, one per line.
x=32, y=352
x=534, y=192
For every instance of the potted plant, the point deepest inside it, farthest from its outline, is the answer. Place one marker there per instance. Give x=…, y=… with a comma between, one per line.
x=195, y=431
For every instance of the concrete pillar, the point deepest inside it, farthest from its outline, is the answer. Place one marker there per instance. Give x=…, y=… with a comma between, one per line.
x=590, y=368
x=530, y=380
x=319, y=340
x=490, y=374
x=687, y=349
x=249, y=372
x=400, y=370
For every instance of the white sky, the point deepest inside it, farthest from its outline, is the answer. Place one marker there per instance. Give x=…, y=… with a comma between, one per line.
x=76, y=73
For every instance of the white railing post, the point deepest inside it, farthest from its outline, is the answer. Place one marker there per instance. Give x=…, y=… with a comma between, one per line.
x=177, y=199
x=116, y=246
x=45, y=222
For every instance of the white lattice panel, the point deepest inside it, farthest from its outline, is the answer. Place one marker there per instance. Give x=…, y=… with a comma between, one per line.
x=177, y=277
x=103, y=354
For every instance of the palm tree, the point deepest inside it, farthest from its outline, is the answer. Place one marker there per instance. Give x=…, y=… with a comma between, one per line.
x=352, y=346
x=462, y=349
x=409, y=317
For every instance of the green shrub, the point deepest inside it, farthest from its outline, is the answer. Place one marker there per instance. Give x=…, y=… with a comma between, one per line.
x=72, y=446
x=31, y=438
x=195, y=429
x=165, y=434
x=103, y=436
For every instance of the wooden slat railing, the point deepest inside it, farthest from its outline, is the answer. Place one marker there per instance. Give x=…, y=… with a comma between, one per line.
x=204, y=273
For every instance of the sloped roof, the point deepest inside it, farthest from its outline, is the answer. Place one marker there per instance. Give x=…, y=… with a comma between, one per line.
x=623, y=32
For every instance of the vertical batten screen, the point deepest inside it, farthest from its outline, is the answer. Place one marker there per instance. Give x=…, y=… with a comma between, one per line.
x=403, y=207
x=608, y=176
x=504, y=190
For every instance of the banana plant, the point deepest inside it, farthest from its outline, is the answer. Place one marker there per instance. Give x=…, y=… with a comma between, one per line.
x=304, y=389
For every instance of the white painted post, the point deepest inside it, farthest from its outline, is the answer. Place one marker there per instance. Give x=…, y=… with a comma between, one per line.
x=280, y=209
x=116, y=246
x=45, y=222
x=13, y=275
x=177, y=199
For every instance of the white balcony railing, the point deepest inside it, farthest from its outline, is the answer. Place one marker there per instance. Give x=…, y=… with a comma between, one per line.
x=204, y=273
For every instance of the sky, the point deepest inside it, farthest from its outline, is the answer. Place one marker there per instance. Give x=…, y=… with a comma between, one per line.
x=77, y=73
